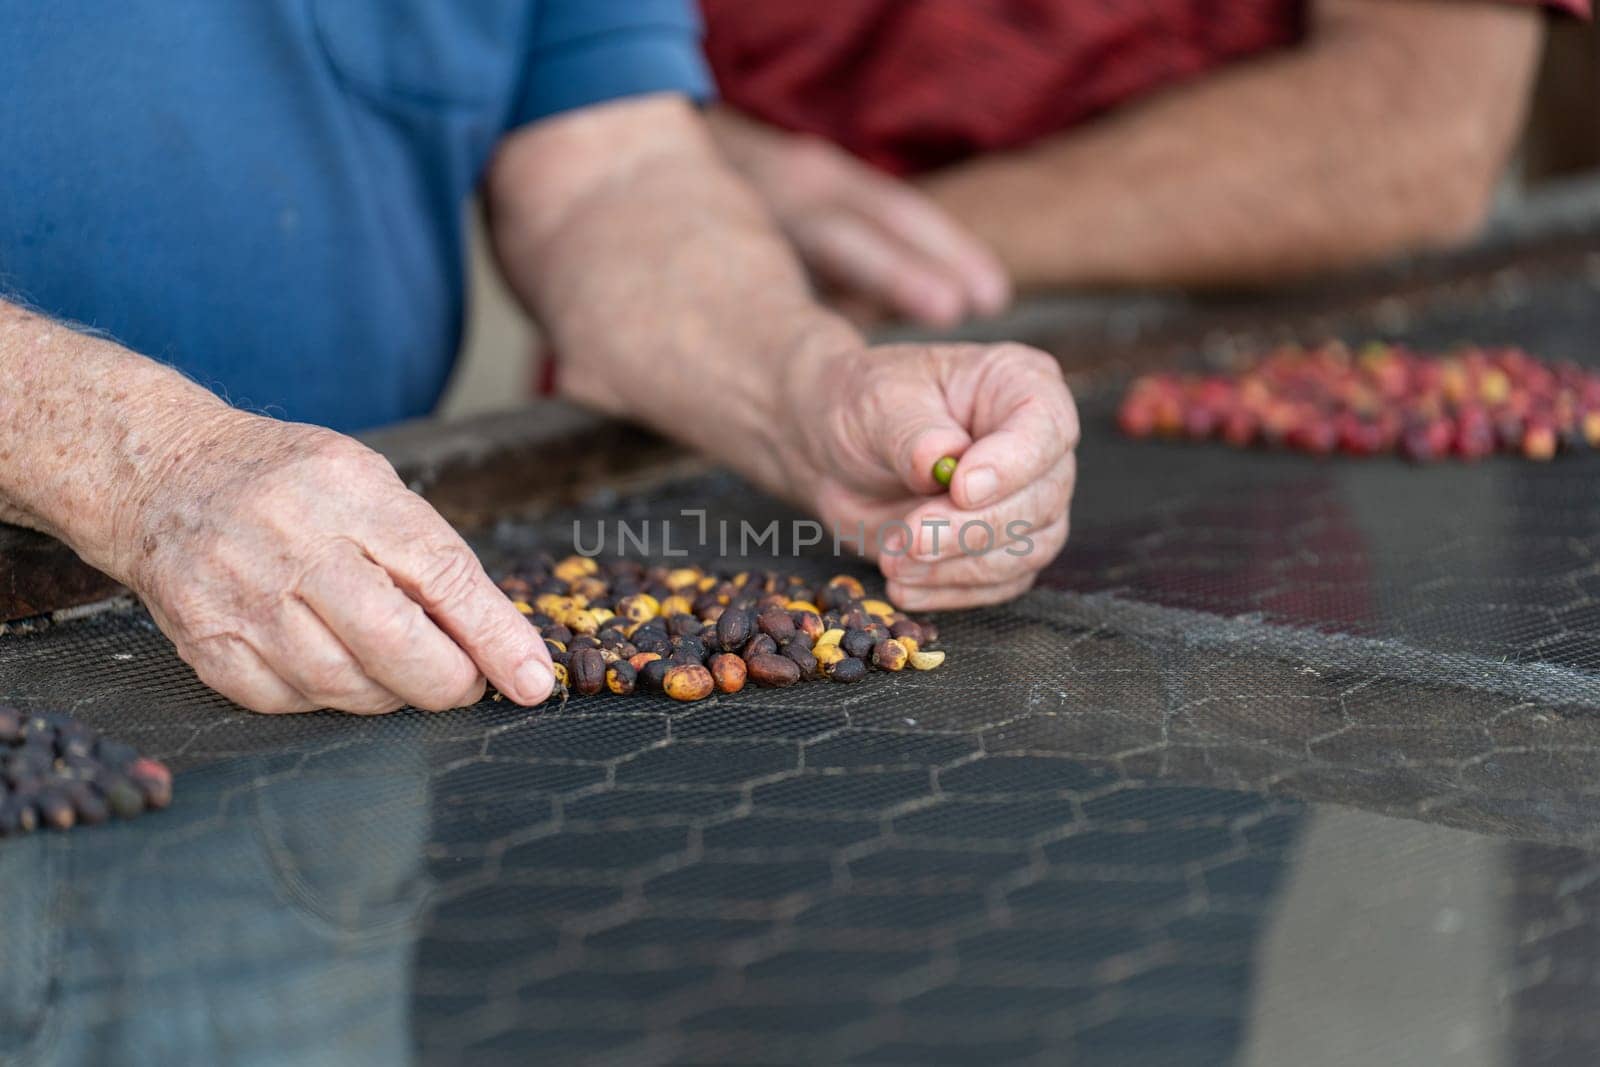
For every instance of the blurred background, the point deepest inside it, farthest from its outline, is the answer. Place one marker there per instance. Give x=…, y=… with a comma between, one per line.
x=1559, y=159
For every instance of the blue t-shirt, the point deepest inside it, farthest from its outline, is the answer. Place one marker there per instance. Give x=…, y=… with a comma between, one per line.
x=270, y=195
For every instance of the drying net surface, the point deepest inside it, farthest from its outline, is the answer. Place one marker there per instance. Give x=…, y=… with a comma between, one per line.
x=1276, y=746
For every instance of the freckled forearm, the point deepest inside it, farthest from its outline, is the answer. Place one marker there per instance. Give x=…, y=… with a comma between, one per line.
x=84, y=425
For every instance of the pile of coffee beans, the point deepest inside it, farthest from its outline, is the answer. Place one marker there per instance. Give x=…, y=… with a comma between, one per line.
x=58, y=772
x=622, y=627
x=1383, y=399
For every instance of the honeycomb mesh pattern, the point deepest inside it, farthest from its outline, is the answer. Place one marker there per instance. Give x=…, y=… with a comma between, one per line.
x=1069, y=842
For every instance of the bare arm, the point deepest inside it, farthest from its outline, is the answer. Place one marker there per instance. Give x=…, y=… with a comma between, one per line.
x=660, y=280
x=1387, y=131
x=290, y=566
x=672, y=299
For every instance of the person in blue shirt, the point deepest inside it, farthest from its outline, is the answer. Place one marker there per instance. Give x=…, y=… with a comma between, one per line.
x=232, y=233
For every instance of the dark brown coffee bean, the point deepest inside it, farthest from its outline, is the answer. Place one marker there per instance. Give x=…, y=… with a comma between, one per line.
x=772, y=671
x=758, y=645
x=588, y=670
x=653, y=674
x=88, y=802
x=55, y=809
x=849, y=669
x=734, y=628
x=907, y=628
x=857, y=643
x=801, y=654
x=652, y=641
x=776, y=624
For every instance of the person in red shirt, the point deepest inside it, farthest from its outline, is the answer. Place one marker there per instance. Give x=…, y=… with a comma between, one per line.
x=926, y=157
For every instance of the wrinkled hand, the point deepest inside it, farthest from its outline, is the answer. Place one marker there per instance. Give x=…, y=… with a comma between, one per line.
x=873, y=239
x=891, y=412
x=294, y=570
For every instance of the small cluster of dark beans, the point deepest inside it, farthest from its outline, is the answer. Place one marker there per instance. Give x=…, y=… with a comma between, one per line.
x=687, y=632
x=1383, y=399
x=58, y=772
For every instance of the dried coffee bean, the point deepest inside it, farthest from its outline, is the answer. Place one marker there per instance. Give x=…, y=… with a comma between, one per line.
x=580, y=641
x=802, y=657
x=776, y=624
x=727, y=672
x=850, y=584
x=758, y=645
x=827, y=655
x=907, y=628
x=848, y=669
x=588, y=670
x=688, y=682
x=55, y=809
x=10, y=725
x=652, y=641
x=652, y=675
x=926, y=661
x=772, y=671
x=639, y=659
x=640, y=607
x=621, y=678
x=808, y=622
x=153, y=780
x=17, y=816
x=890, y=655
x=857, y=643
x=88, y=803
x=734, y=628
x=829, y=637
x=558, y=633
x=124, y=799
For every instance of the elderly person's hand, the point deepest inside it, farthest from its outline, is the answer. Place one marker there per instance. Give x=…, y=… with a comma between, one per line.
x=294, y=570
x=889, y=414
x=874, y=241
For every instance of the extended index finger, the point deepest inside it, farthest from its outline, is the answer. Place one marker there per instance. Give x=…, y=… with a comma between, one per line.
x=437, y=570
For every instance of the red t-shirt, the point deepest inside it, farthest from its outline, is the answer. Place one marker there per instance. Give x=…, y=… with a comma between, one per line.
x=910, y=85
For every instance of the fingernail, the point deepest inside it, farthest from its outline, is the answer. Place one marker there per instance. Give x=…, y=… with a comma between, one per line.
x=981, y=485
x=534, y=682
x=894, y=542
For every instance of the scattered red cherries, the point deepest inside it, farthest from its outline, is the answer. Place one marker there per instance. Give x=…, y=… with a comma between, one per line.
x=1382, y=399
